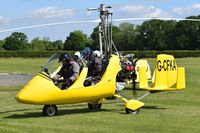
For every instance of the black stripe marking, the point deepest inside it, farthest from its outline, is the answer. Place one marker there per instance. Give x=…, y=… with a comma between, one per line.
x=42, y=75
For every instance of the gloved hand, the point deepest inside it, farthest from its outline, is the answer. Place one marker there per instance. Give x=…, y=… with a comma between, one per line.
x=57, y=81
x=95, y=73
x=67, y=84
x=53, y=79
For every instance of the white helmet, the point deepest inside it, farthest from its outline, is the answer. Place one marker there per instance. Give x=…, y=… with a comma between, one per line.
x=78, y=54
x=97, y=53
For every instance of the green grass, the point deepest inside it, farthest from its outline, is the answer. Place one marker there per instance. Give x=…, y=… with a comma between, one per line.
x=168, y=112
x=21, y=65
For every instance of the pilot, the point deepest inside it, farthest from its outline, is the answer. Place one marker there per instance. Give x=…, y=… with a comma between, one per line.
x=94, y=65
x=69, y=71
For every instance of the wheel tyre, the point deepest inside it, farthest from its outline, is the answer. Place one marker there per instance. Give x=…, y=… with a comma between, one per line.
x=96, y=106
x=50, y=110
x=110, y=98
x=130, y=111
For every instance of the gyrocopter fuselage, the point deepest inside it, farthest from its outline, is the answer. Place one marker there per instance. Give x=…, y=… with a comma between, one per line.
x=42, y=90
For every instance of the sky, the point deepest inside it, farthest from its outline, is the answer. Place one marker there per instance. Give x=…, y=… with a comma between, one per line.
x=22, y=13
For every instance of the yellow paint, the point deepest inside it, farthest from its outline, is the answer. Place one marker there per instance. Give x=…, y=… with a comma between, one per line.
x=166, y=75
x=41, y=90
x=80, y=80
x=143, y=78
x=181, y=78
x=130, y=104
x=134, y=104
x=142, y=64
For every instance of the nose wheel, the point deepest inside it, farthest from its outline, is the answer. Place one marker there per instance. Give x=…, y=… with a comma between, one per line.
x=50, y=110
x=130, y=111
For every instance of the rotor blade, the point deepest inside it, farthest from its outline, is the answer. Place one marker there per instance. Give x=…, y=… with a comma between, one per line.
x=139, y=19
x=48, y=24
x=94, y=21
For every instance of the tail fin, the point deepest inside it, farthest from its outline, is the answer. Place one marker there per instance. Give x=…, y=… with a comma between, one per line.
x=143, y=78
x=166, y=71
x=142, y=63
x=181, y=78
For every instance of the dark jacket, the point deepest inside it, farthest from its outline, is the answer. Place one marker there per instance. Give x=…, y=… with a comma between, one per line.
x=69, y=71
x=94, y=67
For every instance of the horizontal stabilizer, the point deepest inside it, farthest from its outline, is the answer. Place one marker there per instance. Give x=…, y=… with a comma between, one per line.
x=166, y=75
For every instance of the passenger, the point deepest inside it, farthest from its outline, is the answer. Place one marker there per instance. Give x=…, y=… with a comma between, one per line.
x=77, y=56
x=94, y=65
x=93, y=62
x=97, y=53
x=69, y=71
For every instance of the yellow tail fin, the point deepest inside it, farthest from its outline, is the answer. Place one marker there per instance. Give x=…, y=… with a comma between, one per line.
x=143, y=78
x=166, y=71
x=181, y=78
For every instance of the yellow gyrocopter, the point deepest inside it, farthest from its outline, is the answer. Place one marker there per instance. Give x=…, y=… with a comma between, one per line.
x=41, y=90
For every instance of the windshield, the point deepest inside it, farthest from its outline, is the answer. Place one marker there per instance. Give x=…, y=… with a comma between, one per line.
x=51, y=67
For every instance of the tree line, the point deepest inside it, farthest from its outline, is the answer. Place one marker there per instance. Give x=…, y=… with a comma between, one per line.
x=150, y=35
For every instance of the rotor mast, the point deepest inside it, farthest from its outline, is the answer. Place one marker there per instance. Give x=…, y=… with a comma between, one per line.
x=105, y=29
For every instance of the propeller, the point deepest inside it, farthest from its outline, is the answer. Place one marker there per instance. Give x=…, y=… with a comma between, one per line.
x=93, y=21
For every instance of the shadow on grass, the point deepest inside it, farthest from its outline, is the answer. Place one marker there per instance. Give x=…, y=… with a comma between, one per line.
x=80, y=111
x=152, y=107
x=145, y=107
x=60, y=113
x=11, y=111
x=25, y=115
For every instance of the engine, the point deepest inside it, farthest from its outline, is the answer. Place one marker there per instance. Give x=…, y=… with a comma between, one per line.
x=128, y=71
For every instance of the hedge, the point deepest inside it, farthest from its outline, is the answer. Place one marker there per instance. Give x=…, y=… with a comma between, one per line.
x=176, y=53
x=148, y=54
x=32, y=54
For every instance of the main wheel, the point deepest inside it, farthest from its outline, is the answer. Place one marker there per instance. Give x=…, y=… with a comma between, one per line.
x=130, y=111
x=96, y=106
x=50, y=110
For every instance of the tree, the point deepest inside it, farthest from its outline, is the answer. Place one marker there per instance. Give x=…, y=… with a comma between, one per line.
x=77, y=40
x=45, y=44
x=123, y=36
x=153, y=34
x=117, y=37
x=129, y=32
x=187, y=34
x=16, y=41
x=95, y=38
x=58, y=45
x=37, y=44
x=1, y=44
x=48, y=44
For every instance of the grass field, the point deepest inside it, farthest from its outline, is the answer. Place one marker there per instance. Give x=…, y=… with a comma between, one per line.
x=21, y=65
x=177, y=112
